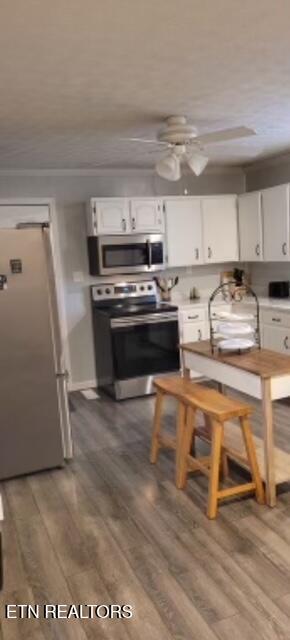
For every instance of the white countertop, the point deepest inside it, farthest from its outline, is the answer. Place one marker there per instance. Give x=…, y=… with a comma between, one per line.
x=282, y=304
x=183, y=302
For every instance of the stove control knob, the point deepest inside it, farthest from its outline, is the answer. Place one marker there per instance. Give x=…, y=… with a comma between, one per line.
x=99, y=292
x=108, y=290
x=141, y=288
x=149, y=287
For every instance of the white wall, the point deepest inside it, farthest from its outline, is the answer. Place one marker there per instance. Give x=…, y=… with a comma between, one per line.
x=263, y=273
x=268, y=174
x=71, y=190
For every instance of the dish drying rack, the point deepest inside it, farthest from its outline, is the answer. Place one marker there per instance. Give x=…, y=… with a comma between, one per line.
x=235, y=294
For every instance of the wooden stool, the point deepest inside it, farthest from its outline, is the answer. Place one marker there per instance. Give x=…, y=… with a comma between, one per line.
x=179, y=388
x=217, y=408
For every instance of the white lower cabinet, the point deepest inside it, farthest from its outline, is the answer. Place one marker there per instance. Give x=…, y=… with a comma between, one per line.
x=276, y=338
x=193, y=331
x=193, y=326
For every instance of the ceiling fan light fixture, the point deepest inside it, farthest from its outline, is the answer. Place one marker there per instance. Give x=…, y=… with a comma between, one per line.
x=169, y=167
x=197, y=162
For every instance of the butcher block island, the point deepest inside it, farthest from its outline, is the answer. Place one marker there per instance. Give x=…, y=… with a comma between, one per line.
x=262, y=374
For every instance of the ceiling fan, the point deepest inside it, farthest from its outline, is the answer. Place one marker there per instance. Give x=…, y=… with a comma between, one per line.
x=184, y=144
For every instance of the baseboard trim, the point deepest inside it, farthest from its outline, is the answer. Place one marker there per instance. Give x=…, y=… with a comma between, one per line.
x=78, y=386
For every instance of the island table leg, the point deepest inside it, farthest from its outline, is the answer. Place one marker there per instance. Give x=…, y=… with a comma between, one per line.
x=269, y=453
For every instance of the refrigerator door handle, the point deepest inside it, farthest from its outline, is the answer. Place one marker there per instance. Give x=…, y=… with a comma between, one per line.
x=62, y=374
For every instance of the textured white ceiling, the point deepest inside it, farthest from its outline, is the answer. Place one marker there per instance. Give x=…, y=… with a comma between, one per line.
x=77, y=75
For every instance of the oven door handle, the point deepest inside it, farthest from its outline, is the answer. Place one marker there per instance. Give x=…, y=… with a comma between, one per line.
x=154, y=318
x=149, y=253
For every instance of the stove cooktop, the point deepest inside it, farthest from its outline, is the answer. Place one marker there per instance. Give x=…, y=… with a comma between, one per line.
x=127, y=309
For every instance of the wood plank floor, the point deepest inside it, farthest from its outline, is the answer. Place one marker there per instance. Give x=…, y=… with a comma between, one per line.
x=111, y=528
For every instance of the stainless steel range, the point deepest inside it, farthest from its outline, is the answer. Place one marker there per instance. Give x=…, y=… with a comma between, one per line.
x=136, y=337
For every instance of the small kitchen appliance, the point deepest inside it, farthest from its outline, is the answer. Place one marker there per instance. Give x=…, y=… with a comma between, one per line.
x=126, y=254
x=35, y=431
x=136, y=337
x=279, y=289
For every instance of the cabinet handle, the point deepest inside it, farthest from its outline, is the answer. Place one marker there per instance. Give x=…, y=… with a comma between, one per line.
x=199, y=334
x=124, y=224
x=209, y=252
x=257, y=249
x=284, y=248
x=133, y=224
x=192, y=317
x=196, y=254
x=286, y=345
x=276, y=319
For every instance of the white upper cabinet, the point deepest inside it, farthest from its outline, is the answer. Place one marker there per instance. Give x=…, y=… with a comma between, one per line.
x=108, y=216
x=146, y=216
x=220, y=229
x=275, y=208
x=250, y=227
x=184, y=232
x=114, y=216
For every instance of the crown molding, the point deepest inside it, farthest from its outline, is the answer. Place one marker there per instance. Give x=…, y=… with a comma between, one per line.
x=116, y=172
x=271, y=161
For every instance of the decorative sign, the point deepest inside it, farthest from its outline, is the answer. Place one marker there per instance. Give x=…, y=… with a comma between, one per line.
x=16, y=265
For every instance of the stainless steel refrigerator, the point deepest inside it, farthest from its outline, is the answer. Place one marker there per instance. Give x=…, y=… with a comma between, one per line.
x=34, y=417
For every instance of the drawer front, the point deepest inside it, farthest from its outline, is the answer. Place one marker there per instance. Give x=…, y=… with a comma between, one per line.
x=276, y=339
x=275, y=318
x=193, y=315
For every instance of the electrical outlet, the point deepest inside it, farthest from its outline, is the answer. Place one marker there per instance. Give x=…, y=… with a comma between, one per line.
x=78, y=276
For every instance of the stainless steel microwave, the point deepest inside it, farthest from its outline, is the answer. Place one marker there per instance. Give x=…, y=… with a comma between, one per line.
x=125, y=254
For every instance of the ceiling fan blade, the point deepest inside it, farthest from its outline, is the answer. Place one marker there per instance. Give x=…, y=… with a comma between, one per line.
x=225, y=135
x=146, y=140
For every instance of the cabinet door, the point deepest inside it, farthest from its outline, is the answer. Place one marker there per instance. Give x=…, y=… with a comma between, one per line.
x=220, y=229
x=275, y=208
x=146, y=216
x=193, y=332
x=276, y=339
x=112, y=216
x=250, y=227
x=184, y=232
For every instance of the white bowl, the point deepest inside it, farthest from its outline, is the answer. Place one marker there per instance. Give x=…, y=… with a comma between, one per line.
x=236, y=344
x=235, y=329
x=235, y=317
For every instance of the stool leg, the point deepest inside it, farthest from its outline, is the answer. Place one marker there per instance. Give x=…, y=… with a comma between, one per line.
x=182, y=469
x=224, y=464
x=156, y=426
x=252, y=458
x=180, y=427
x=217, y=439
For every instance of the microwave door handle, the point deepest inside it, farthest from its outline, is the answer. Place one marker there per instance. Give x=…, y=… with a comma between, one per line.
x=149, y=253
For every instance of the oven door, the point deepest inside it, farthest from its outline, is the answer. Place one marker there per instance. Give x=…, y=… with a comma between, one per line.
x=145, y=345
x=133, y=254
